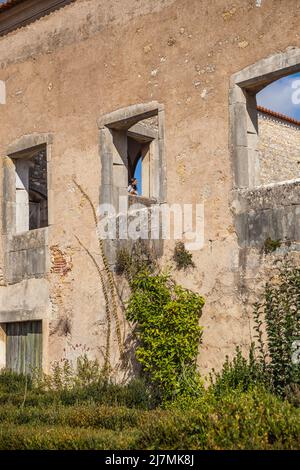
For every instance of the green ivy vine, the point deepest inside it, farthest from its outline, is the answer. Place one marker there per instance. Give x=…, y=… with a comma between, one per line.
x=166, y=318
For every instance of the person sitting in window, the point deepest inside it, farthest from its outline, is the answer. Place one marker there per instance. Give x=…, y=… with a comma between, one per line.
x=132, y=188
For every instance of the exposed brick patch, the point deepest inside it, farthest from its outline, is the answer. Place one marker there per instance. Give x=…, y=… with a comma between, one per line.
x=61, y=263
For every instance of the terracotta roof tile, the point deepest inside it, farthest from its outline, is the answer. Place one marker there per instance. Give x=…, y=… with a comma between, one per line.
x=17, y=13
x=8, y=4
x=278, y=115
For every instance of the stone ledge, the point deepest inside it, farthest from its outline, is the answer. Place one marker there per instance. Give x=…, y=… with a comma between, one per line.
x=28, y=240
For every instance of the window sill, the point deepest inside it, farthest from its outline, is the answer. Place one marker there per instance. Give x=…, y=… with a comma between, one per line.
x=29, y=240
x=146, y=201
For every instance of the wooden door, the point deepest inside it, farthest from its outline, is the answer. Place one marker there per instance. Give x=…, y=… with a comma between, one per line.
x=24, y=346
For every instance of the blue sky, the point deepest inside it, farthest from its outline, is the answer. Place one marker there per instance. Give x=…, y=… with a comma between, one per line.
x=278, y=96
x=138, y=175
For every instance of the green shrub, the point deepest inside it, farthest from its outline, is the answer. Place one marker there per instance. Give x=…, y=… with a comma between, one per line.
x=11, y=382
x=63, y=438
x=68, y=386
x=279, y=314
x=123, y=263
x=131, y=262
x=167, y=326
x=240, y=373
x=235, y=420
x=255, y=419
x=292, y=394
x=174, y=429
x=271, y=245
x=277, y=327
x=85, y=415
x=244, y=408
x=182, y=257
x=64, y=376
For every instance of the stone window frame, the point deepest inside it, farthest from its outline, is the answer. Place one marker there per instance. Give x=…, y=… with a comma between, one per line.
x=18, y=150
x=123, y=119
x=244, y=86
x=32, y=240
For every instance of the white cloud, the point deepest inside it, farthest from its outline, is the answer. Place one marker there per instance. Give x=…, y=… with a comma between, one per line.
x=279, y=97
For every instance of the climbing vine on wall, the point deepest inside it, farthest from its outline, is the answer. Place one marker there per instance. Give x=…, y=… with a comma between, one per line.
x=166, y=318
x=108, y=286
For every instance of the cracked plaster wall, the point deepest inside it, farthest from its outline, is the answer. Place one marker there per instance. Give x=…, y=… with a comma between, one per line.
x=93, y=57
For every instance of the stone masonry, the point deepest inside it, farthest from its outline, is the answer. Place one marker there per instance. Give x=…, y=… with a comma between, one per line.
x=279, y=148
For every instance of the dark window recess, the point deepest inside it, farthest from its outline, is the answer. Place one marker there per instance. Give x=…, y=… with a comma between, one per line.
x=38, y=200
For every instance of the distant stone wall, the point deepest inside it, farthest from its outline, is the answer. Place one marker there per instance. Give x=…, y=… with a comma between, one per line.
x=279, y=149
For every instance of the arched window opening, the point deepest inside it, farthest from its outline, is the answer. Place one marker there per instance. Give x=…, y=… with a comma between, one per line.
x=265, y=121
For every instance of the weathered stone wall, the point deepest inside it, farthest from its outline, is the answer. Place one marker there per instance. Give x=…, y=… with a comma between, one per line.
x=279, y=149
x=65, y=71
x=271, y=211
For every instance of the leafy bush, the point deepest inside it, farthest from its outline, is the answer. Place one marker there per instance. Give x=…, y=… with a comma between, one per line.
x=68, y=386
x=271, y=245
x=279, y=314
x=236, y=420
x=277, y=326
x=167, y=326
x=131, y=262
x=63, y=438
x=11, y=382
x=182, y=257
x=65, y=376
x=80, y=415
x=240, y=373
x=254, y=419
x=244, y=408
